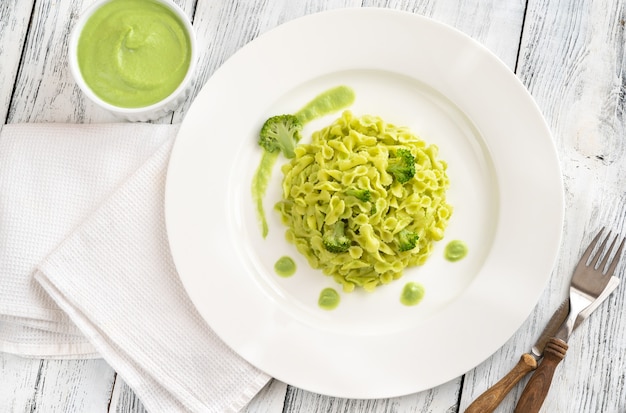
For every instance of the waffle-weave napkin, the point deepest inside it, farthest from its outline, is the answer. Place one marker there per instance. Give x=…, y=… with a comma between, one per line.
x=85, y=268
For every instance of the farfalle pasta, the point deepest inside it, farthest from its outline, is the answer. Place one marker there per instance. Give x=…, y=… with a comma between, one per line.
x=348, y=211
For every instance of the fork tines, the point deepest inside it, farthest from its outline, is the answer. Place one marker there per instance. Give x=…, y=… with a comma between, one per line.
x=609, y=259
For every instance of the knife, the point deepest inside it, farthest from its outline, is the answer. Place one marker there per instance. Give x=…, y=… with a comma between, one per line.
x=537, y=387
x=491, y=398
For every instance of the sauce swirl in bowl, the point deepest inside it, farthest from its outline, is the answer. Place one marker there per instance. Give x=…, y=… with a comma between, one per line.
x=134, y=57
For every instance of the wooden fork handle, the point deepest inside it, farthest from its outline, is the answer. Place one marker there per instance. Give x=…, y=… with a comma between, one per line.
x=537, y=387
x=490, y=399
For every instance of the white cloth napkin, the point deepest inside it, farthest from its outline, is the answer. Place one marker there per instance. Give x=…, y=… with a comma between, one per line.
x=85, y=268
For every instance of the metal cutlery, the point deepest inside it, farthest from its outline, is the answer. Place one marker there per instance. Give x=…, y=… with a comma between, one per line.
x=592, y=282
x=589, y=281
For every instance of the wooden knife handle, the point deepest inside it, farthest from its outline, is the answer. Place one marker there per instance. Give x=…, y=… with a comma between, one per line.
x=490, y=399
x=537, y=387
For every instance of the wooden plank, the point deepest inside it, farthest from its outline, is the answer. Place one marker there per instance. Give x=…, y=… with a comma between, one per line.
x=18, y=378
x=54, y=385
x=44, y=91
x=73, y=385
x=440, y=399
x=572, y=61
x=124, y=400
x=14, y=20
x=269, y=400
x=495, y=24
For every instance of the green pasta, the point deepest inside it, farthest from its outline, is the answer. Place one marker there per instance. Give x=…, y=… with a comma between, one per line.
x=350, y=214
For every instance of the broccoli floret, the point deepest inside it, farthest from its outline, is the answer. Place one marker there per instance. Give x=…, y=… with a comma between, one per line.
x=402, y=165
x=335, y=240
x=281, y=133
x=407, y=240
x=360, y=194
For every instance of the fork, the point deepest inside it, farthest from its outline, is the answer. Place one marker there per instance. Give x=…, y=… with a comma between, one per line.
x=591, y=276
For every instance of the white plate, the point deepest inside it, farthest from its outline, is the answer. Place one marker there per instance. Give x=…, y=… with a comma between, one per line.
x=505, y=187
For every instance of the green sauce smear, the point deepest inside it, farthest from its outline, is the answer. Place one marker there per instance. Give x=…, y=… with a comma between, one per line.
x=134, y=53
x=327, y=102
x=260, y=181
x=285, y=267
x=455, y=251
x=329, y=299
x=412, y=294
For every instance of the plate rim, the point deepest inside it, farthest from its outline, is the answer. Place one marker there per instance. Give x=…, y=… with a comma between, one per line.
x=247, y=52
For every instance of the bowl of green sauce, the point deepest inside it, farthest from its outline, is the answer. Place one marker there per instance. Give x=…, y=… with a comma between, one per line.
x=135, y=58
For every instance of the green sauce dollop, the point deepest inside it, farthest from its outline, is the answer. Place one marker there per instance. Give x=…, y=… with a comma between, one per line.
x=134, y=53
x=455, y=250
x=329, y=299
x=412, y=293
x=285, y=267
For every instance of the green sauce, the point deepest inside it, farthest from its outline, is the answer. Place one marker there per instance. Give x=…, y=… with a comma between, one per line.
x=285, y=267
x=455, y=250
x=412, y=294
x=134, y=53
x=260, y=180
x=325, y=103
x=329, y=299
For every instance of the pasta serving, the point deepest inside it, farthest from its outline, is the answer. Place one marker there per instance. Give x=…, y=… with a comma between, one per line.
x=364, y=200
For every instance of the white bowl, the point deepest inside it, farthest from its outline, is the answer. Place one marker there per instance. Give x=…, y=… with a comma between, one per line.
x=145, y=113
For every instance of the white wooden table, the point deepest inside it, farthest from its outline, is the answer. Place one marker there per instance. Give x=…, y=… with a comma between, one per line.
x=571, y=56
